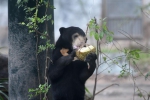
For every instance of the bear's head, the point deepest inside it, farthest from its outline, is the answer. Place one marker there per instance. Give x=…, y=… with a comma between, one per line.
x=71, y=38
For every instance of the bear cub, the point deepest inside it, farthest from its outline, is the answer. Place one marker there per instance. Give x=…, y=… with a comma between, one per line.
x=68, y=76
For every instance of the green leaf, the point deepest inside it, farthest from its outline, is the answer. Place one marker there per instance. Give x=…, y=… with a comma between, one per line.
x=92, y=33
x=104, y=58
x=134, y=62
x=137, y=54
x=1, y=98
x=125, y=50
x=104, y=27
x=104, y=24
x=101, y=35
x=52, y=22
x=140, y=94
x=49, y=17
x=43, y=37
x=111, y=33
x=22, y=23
x=97, y=27
x=3, y=94
x=147, y=75
x=18, y=2
x=104, y=19
x=87, y=91
x=109, y=38
x=96, y=36
x=43, y=88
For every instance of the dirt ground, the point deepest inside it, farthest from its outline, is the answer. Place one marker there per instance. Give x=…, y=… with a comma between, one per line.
x=125, y=90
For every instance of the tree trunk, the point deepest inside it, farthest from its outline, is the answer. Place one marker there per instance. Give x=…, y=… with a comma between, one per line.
x=22, y=62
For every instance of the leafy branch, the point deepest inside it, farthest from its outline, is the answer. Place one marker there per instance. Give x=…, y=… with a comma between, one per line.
x=32, y=21
x=100, y=33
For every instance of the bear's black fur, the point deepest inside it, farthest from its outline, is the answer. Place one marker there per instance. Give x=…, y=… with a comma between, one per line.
x=68, y=77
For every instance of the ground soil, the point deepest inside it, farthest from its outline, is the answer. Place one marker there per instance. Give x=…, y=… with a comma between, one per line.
x=125, y=90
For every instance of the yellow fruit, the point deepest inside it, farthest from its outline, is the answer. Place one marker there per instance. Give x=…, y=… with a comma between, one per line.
x=83, y=52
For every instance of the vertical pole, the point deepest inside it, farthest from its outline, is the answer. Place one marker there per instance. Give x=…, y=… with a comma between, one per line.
x=22, y=62
x=22, y=55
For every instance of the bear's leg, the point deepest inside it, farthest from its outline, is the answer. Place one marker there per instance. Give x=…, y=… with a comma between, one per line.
x=87, y=72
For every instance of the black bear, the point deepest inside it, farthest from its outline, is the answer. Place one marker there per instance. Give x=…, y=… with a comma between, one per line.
x=68, y=76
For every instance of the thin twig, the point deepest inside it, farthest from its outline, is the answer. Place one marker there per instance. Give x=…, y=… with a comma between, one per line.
x=87, y=29
x=145, y=13
x=132, y=39
x=95, y=83
x=137, y=86
x=117, y=47
x=46, y=55
x=37, y=43
x=112, y=58
x=42, y=34
x=106, y=88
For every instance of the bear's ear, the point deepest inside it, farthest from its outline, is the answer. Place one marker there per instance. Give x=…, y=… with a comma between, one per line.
x=61, y=30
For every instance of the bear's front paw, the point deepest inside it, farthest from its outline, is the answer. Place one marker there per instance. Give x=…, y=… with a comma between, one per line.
x=73, y=53
x=64, y=51
x=91, y=57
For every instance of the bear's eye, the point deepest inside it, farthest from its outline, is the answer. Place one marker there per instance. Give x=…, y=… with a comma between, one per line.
x=75, y=36
x=86, y=40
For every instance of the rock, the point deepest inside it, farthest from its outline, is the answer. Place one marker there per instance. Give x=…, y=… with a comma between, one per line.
x=3, y=66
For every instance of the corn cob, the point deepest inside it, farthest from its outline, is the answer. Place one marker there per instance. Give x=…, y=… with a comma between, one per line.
x=83, y=52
